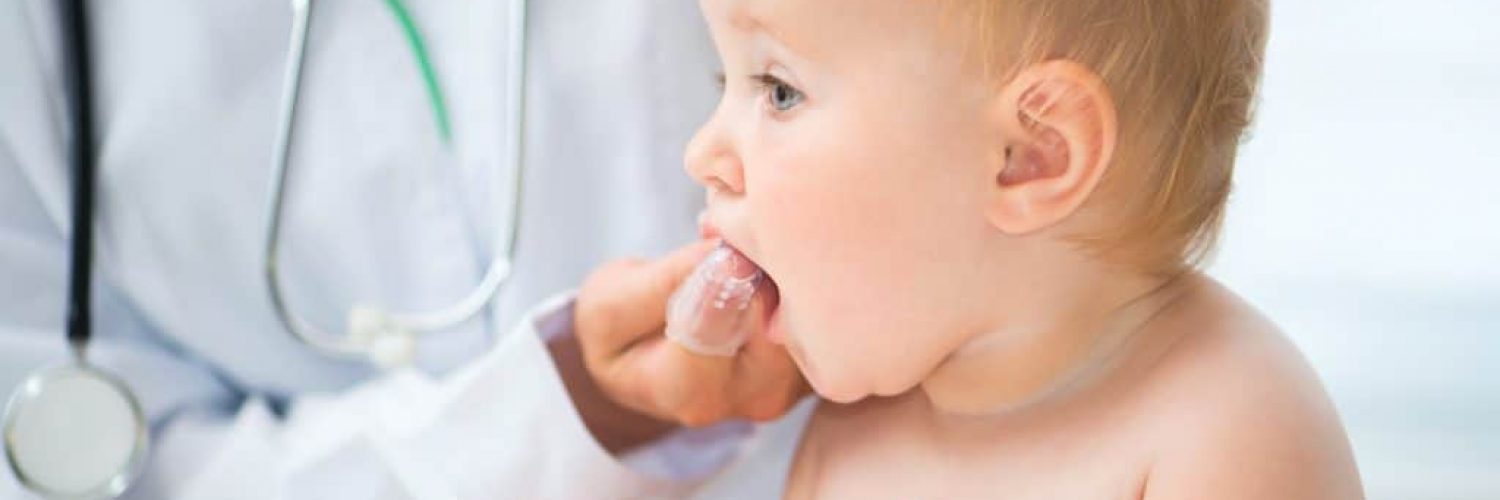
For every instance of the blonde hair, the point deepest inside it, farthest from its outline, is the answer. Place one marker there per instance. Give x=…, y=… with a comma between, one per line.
x=1184, y=75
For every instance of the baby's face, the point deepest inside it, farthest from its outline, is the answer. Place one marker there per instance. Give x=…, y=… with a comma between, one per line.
x=849, y=158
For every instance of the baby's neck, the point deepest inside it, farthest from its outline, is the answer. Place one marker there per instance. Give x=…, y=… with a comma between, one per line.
x=1073, y=329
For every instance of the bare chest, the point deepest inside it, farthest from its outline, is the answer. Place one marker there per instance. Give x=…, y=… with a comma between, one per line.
x=888, y=453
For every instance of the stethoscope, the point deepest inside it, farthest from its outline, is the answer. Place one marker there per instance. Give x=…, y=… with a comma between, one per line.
x=385, y=338
x=74, y=431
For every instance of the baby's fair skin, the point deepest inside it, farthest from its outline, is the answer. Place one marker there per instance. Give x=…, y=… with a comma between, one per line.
x=918, y=220
x=1207, y=401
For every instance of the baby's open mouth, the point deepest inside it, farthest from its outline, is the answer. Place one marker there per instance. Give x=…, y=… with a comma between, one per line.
x=725, y=302
x=768, y=294
x=739, y=266
x=734, y=266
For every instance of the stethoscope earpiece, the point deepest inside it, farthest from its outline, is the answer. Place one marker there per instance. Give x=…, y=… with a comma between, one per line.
x=388, y=343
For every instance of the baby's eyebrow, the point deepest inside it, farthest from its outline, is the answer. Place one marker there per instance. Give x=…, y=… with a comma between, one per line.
x=750, y=24
x=743, y=20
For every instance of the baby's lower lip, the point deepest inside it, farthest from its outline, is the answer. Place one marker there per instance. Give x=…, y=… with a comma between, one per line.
x=770, y=291
x=775, y=330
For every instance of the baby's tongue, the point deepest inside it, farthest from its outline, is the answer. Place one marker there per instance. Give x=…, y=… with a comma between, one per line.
x=721, y=304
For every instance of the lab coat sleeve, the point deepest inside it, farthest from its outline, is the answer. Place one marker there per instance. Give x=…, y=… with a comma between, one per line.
x=686, y=455
x=501, y=427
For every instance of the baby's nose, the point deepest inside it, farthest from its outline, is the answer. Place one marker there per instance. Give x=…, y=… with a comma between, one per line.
x=711, y=161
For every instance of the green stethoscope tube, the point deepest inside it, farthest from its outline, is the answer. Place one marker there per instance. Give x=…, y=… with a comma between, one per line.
x=424, y=63
x=374, y=334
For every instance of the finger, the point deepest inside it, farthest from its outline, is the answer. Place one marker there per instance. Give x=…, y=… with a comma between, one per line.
x=693, y=388
x=669, y=382
x=760, y=383
x=719, y=305
x=767, y=382
x=663, y=276
x=635, y=298
x=661, y=379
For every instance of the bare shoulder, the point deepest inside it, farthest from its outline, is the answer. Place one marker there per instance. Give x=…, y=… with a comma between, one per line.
x=1238, y=411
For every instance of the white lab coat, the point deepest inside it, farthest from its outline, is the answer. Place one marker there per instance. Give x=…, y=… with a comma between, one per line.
x=378, y=212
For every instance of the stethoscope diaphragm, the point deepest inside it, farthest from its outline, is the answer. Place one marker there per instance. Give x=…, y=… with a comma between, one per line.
x=72, y=431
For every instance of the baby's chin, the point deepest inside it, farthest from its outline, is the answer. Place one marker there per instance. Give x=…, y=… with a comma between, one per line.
x=830, y=384
x=846, y=388
x=833, y=391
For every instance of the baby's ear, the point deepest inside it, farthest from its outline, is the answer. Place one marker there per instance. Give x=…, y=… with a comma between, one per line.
x=1056, y=126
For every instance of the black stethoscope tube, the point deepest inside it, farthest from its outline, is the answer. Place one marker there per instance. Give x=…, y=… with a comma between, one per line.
x=75, y=24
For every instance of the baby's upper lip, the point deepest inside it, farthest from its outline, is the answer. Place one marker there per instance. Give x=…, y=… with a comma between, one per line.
x=706, y=228
x=710, y=231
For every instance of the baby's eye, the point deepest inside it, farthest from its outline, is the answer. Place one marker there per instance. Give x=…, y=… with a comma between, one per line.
x=780, y=95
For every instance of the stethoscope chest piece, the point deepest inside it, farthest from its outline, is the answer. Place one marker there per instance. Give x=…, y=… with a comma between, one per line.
x=72, y=431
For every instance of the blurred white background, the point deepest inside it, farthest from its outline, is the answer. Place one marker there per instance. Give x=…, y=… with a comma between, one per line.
x=1366, y=221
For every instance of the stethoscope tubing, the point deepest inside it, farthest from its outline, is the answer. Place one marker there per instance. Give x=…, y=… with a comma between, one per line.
x=500, y=266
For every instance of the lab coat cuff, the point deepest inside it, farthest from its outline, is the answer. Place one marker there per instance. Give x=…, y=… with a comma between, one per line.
x=508, y=429
x=686, y=455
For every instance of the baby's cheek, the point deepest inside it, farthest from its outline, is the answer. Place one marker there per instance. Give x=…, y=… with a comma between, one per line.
x=791, y=211
x=822, y=216
x=833, y=307
x=822, y=223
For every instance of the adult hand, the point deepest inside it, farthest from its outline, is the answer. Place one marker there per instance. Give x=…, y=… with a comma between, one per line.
x=619, y=321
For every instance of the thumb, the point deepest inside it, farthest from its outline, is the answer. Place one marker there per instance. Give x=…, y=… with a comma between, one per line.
x=629, y=298
x=662, y=277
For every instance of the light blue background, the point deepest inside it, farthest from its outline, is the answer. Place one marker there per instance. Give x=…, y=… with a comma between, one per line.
x=1366, y=221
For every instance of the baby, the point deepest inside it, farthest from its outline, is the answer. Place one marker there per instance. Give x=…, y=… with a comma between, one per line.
x=983, y=219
